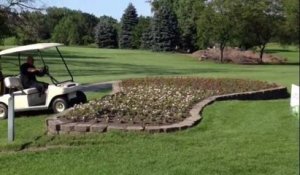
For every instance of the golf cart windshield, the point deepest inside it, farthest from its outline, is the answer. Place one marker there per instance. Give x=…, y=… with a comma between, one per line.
x=41, y=50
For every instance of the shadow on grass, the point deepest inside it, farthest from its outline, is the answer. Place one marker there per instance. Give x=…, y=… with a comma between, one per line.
x=94, y=68
x=278, y=50
x=47, y=113
x=288, y=64
x=276, y=64
x=68, y=54
x=51, y=54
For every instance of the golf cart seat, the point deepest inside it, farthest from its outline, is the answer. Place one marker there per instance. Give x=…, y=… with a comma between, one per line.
x=12, y=83
x=15, y=83
x=30, y=91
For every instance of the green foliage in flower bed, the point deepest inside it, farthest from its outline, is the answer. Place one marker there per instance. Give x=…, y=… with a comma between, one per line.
x=158, y=101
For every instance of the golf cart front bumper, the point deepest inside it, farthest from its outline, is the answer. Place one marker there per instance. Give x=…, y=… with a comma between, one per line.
x=69, y=85
x=68, y=89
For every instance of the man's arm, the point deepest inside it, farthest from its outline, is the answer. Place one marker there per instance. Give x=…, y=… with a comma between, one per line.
x=34, y=70
x=25, y=69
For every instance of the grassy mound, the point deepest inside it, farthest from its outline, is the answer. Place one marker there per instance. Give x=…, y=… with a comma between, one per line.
x=158, y=101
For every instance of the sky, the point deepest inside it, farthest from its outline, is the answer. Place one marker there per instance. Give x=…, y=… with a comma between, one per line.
x=114, y=8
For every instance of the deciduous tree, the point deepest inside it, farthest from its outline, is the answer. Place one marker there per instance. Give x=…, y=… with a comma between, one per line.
x=70, y=30
x=32, y=28
x=188, y=13
x=218, y=22
x=4, y=28
x=289, y=31
x=260, y=21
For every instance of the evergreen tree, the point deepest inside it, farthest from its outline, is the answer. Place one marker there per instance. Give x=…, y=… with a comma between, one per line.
x=106, y=35
x=142, y=27
x=188, y=13
x=110, y=20
x=146, y=39
x=128, y=23
x=115, y=24
x=165, y=30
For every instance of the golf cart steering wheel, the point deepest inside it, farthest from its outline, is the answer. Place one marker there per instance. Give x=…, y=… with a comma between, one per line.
x=46, y=71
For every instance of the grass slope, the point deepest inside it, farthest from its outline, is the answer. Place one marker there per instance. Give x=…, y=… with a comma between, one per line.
x=235, y=137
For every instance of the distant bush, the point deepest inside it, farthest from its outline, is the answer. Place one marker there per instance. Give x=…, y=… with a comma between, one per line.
x=92, y=45
x=10, y=41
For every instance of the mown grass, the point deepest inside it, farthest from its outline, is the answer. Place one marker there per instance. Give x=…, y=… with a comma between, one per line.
x=291, y=53
x=222, y=144
x=235, y=137
x=93, y=65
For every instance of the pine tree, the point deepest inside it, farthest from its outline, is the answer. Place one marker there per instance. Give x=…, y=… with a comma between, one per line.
x=165, y=30
x=146, y=40
x=128, y=22
x=106, y=34
x=141, y=28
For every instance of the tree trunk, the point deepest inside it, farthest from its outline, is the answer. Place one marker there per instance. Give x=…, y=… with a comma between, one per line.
x=222, y=53
x=262, y=49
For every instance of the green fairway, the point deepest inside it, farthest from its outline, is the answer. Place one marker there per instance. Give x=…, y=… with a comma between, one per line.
x=93, y=65
x=235, y=137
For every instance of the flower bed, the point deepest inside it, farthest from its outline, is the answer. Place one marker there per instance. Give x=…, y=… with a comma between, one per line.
x=157, y=101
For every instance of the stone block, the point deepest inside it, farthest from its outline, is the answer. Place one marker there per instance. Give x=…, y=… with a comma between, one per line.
x=65, y=128
x=194, y=118
x=82, y=127
x=52, y=131
x=154, y=129
x=171, y=128
x=135, y=128
x=98, y=127
x=54, y=124
x=116, y=128
x=188, y=123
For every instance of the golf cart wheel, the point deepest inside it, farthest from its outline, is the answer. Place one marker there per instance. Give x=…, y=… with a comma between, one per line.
x=81, y=97
x=59, y=105
x=3, y=111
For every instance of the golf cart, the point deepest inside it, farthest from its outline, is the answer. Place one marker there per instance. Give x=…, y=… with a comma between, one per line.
x=58, y=97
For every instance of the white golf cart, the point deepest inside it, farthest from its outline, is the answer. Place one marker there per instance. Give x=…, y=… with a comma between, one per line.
x=58, y=97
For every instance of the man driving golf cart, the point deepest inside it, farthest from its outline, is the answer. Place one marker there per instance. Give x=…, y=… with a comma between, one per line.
x=30, y=94
x=28, y=76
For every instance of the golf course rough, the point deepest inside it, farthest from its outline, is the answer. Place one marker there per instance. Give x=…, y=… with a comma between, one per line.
x=158, y=104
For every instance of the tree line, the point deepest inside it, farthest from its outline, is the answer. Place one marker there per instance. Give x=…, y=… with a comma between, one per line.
x=237, y=23
x=176, y=25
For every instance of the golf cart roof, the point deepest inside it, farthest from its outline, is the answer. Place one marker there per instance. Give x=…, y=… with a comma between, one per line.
x=38, y=46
